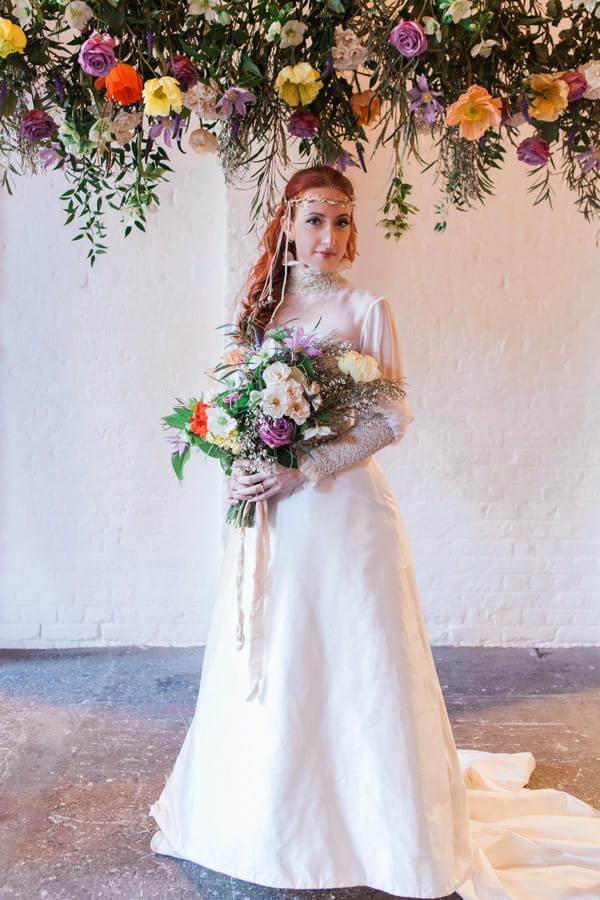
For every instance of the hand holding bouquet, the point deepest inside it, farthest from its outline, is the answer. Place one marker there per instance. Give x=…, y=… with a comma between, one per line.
x=277, y=399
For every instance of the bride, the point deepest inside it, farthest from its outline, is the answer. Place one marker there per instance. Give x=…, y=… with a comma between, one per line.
x=320, y=754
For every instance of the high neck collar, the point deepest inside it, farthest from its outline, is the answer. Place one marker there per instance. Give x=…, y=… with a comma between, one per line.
x=301, y=279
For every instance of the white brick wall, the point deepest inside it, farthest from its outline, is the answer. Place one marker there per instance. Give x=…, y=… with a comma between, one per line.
x=497, y=479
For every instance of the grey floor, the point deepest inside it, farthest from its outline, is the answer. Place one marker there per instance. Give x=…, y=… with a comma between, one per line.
x=88, y=737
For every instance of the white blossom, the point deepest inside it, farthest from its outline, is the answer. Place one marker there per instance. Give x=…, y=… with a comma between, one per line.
x=276, y=373
x=591, y=73
x=78, y=14
x=219, y=422
x=431, y=26
x=484, y=48
x=317, y=431
x=22, y=11
x=460, y=9
x=205, y=8
x=100, y=134
x=273, y=32
x=292, y=33
x=590, y=5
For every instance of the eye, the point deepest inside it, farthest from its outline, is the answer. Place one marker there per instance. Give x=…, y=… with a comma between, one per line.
x=313, y=220
x=343, y=223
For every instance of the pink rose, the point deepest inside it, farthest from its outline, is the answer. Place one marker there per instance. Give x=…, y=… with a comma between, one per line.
x=96, y=56
x=534, y=151
x=577, y=85
x=409, y=39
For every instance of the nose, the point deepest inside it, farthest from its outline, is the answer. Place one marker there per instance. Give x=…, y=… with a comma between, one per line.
x=327, y=237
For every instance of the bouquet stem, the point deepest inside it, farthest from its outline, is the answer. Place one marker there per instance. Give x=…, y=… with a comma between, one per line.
x=241, y=514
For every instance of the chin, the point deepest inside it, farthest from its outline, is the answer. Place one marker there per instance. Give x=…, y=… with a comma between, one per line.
x=325, y=264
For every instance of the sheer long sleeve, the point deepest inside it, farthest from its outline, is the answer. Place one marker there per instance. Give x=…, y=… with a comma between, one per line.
x=388, y=420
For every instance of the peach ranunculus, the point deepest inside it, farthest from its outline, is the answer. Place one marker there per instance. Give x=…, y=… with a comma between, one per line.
x=198, y=421
x=475, y=111
x=366, y=107
x=548, y=97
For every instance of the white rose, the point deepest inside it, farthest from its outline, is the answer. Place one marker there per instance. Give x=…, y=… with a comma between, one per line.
x=78, y=14
x=276, y=373
x=203, y=141
x=298, y=410
x=220, y=423
x=591, y=73
x=275, y=400
x=361, y=368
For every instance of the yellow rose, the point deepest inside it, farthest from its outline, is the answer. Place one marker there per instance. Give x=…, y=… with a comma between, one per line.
x=298, y=85
x=551, y=97
x=12, y=38
x=359, y=367
x=161, y=95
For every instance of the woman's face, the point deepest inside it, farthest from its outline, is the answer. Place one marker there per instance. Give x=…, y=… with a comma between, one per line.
x=321, y=230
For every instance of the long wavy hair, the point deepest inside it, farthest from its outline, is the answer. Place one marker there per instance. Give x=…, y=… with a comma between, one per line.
x=256, y=308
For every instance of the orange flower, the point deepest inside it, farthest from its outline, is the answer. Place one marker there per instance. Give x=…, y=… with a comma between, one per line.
x=475, y=112
x=550, y=97
x=198, y=419
x=233, y=357
x=366, y=107
x=123, y=84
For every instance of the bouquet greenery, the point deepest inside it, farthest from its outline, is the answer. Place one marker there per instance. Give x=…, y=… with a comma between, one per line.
x=105, y=89
x=275, y=400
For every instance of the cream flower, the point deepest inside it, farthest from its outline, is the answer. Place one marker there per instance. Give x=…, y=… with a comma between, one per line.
x=203, y=141
x=298, y=408
x=361, y=368
x=124, y=125
x=316, y=432
x=205, y=8
x=292, y=33
x=273, y=32
x=483, y=48
x=220, y=423
x=460, y=9
x=276, y=373
x=275, y=400
x=22, y=11
x=431, y=26
x=591, y=73
x=78, y=14
x=161, y=96
x=348, y=53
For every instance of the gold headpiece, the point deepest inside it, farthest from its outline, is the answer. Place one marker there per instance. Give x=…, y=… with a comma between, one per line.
x=319, y=198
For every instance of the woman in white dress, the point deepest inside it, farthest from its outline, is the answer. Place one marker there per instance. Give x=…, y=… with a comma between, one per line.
x=320, y=754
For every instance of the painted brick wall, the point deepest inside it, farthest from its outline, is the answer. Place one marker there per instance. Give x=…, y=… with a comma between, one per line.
x=497, y=479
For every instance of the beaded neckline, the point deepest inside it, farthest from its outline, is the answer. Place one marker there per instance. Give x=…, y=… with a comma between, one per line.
x=302, y=279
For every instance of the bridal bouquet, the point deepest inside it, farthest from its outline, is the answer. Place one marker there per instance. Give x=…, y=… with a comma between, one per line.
x=292, y=391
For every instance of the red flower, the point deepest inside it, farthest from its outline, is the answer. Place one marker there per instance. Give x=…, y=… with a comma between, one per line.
x=123, y=84
x=198, y=419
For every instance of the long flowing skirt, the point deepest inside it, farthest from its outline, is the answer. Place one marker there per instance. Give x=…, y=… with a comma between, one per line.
x=341, y=768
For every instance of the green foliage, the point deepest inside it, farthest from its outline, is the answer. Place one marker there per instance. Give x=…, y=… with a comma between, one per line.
x=496, y=45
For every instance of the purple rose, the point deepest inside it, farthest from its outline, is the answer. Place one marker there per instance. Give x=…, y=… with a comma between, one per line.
x=409, y=39
x=37, y=125
x=96, y=56
x=275, y=432
x=534, y=151
x=303, y=123
x=183, y=70
x=577, y=85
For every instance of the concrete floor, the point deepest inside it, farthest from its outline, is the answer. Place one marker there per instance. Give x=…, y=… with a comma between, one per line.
x=88, y=737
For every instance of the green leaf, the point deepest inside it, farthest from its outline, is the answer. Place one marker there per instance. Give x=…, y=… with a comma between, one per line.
x=178, y=461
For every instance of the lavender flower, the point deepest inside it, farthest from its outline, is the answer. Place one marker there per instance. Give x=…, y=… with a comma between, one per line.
x=170, y=127
x=234, y=100
x=178, y=444
x=96, y=56
x=37, y=125
x=60, y=90
x=424, y=98
x=589, y=159
x=49, y=156
x=343, y=162
x=300, y=341
x=303, y=123
x=275, y=432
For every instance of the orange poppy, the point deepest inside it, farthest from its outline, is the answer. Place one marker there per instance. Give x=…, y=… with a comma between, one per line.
x=123, y=84
x=198, y=419
x=475, y=111
x=366, y=107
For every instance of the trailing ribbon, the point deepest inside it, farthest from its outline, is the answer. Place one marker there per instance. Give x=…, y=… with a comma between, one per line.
x=254, y=616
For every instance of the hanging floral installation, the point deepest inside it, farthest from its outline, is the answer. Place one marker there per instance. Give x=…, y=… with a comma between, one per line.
x=106, y=90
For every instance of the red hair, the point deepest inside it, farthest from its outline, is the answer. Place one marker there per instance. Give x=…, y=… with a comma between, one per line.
x=272, y=256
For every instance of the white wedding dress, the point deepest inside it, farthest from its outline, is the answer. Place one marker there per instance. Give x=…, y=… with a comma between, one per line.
x=341, y=769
